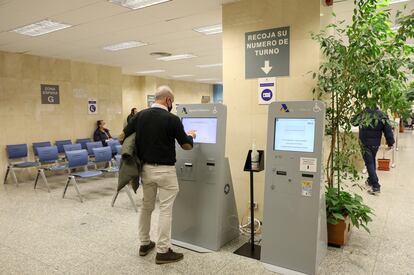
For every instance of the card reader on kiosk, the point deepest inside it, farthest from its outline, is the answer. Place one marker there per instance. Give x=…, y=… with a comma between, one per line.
x=294, y=221
x=204, y=214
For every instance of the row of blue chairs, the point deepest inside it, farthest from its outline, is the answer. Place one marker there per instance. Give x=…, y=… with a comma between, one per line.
x=48, y=158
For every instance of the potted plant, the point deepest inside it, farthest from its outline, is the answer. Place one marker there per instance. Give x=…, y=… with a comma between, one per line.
x=365, y=65
x=343, y=210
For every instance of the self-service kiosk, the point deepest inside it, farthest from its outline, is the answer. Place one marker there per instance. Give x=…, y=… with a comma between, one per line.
x=294, y=221
x=204, y=214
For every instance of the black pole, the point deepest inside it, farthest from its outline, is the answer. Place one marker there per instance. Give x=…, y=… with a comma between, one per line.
x=251, y=211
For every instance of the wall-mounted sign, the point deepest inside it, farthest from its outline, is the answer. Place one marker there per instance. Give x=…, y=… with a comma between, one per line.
x=150, y=100
x=267, y=90
x=267, y=53
x=49, y=94
x=92, y=106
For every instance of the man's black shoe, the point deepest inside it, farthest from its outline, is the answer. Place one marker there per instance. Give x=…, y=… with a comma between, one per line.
x=374, y=191
x=169, y=257
x=145, y=249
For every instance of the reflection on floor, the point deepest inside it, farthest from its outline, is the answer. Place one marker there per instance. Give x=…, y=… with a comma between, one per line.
x=41, y=233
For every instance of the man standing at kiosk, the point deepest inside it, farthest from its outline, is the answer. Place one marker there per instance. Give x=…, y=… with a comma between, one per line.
x=156, y=131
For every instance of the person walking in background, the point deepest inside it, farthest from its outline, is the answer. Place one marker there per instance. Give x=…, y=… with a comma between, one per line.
x=131, y=115
x=156, y=132
x=101, y=133
x=372, y=124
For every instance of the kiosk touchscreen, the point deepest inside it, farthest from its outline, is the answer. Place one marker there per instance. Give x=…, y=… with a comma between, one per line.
x=294, y=221
x=204, y=214
x=205, y=128
x=294, y=134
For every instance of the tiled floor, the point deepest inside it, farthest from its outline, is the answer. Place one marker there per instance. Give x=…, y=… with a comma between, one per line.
x=41, y=233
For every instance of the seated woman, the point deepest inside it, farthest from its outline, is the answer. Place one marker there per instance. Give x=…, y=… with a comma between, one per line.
x=101, y=133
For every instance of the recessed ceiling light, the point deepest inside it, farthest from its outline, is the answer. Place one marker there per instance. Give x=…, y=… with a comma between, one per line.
x=41, y=27
x=210, y=65
x=151, y=72
x=207, y=79
x=321, y=14
x=182, y=75
x=137, y=4
x=124, y=45
x=214, y=29
x=176, y=57
x=160, y=54
x=398, y=1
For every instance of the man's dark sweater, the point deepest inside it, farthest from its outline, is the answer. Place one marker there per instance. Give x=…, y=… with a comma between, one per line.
x=371, y=135
x=156, y=131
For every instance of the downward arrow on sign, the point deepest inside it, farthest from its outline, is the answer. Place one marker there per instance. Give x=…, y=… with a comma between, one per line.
x=267, y=68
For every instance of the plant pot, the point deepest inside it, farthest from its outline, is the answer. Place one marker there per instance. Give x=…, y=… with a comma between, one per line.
x=384, y=164
x=339, y=233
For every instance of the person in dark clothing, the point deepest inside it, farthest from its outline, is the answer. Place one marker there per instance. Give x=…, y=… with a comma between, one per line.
x=131, y=115
x=373, y=123
x=156, y=132
x=101, y=133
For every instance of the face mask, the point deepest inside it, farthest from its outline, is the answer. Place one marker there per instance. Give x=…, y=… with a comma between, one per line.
x=169, y=107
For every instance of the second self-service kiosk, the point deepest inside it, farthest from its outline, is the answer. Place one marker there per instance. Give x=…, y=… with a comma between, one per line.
x=204, y=214
x=294, y=221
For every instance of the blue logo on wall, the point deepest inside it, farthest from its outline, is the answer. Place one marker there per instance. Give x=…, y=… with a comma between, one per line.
x=267, y=95
x=92, y=108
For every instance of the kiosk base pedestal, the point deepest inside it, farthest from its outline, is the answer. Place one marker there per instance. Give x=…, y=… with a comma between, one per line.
x=247, y=250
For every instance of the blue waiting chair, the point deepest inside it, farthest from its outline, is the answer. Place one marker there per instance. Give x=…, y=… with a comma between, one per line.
x=61, y=143
x=49, y=161
x=37, y=145
x=71, y=147
x=104, y=155
x=112, y=144
x=78, y=159
x=17, y=158
x=92, y=145
x=83, y=141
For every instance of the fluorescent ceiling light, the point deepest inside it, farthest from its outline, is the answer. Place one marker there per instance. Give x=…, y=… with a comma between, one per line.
x=124, y=45
x=210, y=65
x=151, y=72
x=207, y=79
x=137, y=4
x=41, y=27
x=214, y=29
x=176, y=57
x=182, y=75
x=398, y=1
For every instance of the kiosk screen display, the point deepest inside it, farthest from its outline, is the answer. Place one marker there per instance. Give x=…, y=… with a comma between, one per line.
x=206, y=128
x=294, y=134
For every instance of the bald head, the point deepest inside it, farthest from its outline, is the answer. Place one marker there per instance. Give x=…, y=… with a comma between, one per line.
x=164, y=96
x=164, y=92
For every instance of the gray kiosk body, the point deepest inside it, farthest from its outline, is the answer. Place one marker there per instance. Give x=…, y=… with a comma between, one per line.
x=294, y=232
x=204, y=214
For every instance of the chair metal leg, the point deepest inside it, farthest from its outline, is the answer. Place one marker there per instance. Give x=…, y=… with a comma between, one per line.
x=42, y=173
x=77, y=189
x=114, y=198
x=7, y=174
x=66, y=186
x=37, y=178
x=128, y=191
x=14, y=176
